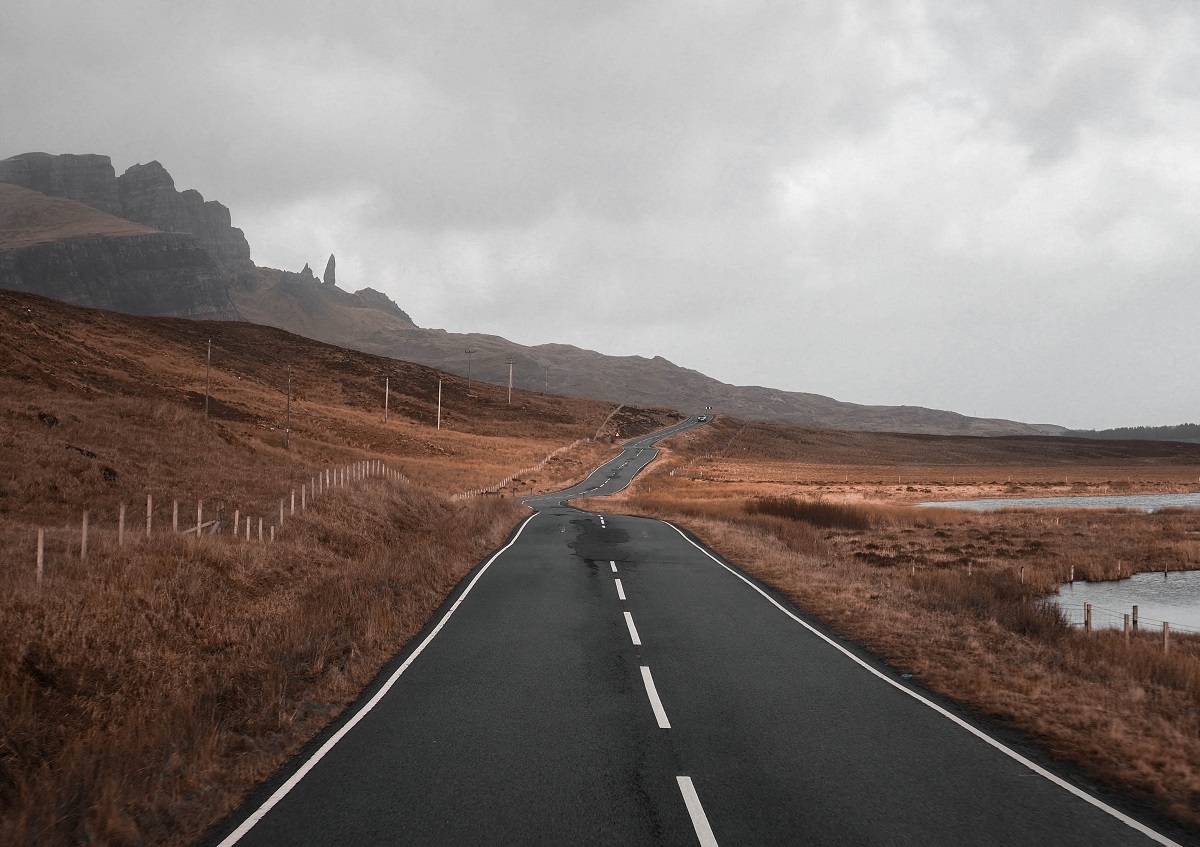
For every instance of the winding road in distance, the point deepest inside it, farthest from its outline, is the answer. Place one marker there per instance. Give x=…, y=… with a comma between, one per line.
x=606, y=680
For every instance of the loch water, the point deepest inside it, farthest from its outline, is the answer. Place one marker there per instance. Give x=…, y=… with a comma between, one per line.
x=1173, y=597
x=1142, y=502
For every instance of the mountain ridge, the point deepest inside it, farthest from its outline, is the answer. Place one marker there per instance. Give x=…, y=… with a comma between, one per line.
x=178, y=281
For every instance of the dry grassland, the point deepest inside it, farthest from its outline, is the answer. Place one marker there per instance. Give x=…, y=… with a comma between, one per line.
x=144, y=691
x=951, y=596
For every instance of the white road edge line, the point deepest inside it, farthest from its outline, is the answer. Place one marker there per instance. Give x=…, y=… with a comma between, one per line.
x=699, y=820
x=637, y=642
x=282, y=791
x=978, y=733
x=620, y=588
x=660, y=714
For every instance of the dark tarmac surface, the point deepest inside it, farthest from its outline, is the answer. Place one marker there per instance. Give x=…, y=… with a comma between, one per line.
x=604, y=680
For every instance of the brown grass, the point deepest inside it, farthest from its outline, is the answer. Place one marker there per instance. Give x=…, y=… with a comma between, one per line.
x=30, y=217
x=145, y=692
x=952, y=597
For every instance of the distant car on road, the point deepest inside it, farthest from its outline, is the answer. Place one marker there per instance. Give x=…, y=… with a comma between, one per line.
x=702, y=419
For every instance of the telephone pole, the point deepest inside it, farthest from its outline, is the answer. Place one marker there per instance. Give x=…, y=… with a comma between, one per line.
x=510, y=364
x=207, y=374
x=470, y=354
x=287, y=424
x=439, y=418
x=387, y=388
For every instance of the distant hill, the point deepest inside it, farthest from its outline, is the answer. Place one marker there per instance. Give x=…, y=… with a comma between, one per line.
x=198, y=265
x=1188, y=432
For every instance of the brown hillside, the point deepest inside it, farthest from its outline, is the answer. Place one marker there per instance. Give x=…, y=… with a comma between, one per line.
x=30, y=217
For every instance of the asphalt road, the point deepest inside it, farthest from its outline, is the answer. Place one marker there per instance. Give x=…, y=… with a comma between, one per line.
x=605, y=680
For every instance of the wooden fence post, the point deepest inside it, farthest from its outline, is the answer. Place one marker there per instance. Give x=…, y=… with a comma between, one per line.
x=260, y=537
x=272, y=535
x=303, y=497
x=293, y=501
x=1166, y=636
x=281, y=502
x=1126, y=627
x=41, y=555
x=121, y=526
x=149, y=512
x=175, y=518
x=1135, y=623
x=247, y=527
x=236, y=522
x=199, y=517
x=83, y=542
x=1072, y=574
x=1087, y=617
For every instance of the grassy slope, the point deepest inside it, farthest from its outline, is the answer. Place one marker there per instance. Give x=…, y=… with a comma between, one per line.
x=145, y=691
x=30, y=217
x=948, y=595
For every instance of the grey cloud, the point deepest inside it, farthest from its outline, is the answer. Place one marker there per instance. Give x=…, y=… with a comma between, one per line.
x=878, y=201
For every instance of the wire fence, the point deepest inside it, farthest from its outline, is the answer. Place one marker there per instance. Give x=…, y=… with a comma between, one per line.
x=1077, y=614
x=130, y=523
x=497, y=487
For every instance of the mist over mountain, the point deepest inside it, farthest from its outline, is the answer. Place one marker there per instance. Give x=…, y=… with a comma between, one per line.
x=65, y=232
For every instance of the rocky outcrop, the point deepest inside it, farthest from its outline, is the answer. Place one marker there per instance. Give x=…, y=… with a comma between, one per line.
x=369, y=298
x=329, y=277
x=150, y=274
x=148, y=197
x=89, y=179
x=144, y=194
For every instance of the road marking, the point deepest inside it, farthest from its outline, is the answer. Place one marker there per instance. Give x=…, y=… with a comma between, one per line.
x=281, y=792
x=613, y=565
x=620, y=590
x=699, y=820
x=660, y=714
x=637, y=642
x=978, y=733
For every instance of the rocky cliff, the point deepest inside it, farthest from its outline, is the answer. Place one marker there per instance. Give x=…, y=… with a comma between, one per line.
x=156, y=273
x=148, y=196
x=144, y=194
x=89, y=178
x=63, y=249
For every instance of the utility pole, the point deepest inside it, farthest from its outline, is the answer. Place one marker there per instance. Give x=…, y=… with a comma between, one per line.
x=439, y=419
x=387, y=387
x=207, y=375
x=510, y=364
x=287, y=423
x=470, y=354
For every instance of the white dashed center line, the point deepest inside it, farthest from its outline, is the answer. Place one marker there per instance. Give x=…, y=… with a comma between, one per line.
x=699, y=819
x=613, y=565
x=620, y=590
x=660, y=714
x=632, y=630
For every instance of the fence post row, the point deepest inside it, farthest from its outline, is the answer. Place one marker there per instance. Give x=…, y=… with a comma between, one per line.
x=355, y=471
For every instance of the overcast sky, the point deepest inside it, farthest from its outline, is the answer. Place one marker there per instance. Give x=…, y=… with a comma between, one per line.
x=986, y=207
